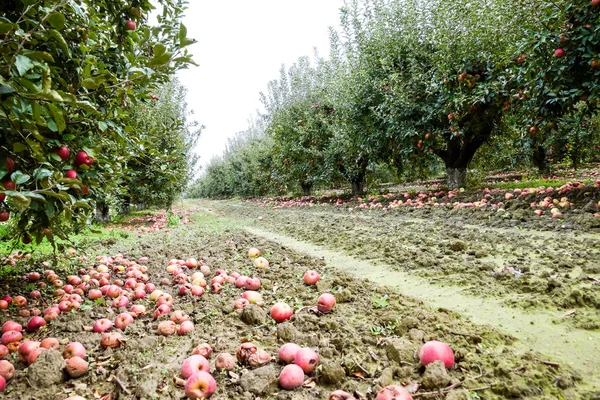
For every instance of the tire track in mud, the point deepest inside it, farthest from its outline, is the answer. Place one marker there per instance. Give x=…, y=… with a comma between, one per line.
x=534, y=331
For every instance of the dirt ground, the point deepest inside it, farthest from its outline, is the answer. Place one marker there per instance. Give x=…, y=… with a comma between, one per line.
x=372, y=337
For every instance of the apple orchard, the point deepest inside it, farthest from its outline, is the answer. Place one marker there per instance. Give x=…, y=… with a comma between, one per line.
x=455, y=149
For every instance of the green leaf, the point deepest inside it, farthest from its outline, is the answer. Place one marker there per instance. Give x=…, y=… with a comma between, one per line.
x=57, y=20
x=6, y=89
x=58, y=117
x=7, y=27
x=19, y=178
x=39, y=56
x=159, y=50
x=103, y=126
x=81, y=204
x=34, y=195
x=62, y=43
x=19, y=147
x=21, y=202
x=185, y=60
x=23, y=64
x=55, y=157
x=162, y=60
x=41, y=173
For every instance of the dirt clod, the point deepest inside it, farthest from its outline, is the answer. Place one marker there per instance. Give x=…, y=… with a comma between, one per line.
x=47, y=370
x=435, y=376
x=332, y=373
x=253, y=315
x=260, y=381
x=400, y=349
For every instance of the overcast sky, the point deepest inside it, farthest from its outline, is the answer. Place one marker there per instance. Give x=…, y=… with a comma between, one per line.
x=241, y=46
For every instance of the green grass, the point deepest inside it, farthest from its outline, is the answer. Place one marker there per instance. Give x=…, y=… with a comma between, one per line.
x=533, y=183
x=77, y=241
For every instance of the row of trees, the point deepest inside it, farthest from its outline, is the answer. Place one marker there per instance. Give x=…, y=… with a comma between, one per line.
x=416, y=85
x=89, y=112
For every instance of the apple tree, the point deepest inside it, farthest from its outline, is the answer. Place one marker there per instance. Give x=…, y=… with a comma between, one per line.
x=558, y=73
x=70, y=71
x=300, y=124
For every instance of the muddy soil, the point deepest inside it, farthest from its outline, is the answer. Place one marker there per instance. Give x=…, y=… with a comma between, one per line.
x=536, y=270
x=370, y=340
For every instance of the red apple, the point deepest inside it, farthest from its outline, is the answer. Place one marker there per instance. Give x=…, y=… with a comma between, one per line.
x=291, y=377
x=254, y=252
x=559, y=53
x=111, y=340
x=63, y=152
x=281, y=312
x=287, y=352
x=83, y=158
x=11, y=337
x=9, y=185
x=94, y=294
x=252, y=284
x=393, y=392
x=123, y=320
x=185, y=328
x=201, y=385
x=102, y=325
x=4, y=215
x=130, y=25
x=35, y=323
x=434, y=351
x=306, y=359
x=11, y=326
x=7, y=370
x=326, y=302
x=193, y=364
x=341, y=395
x=311, y=277
x=167, y=328
x=71, y=174
x=76, y=367
x=74, y=349
x=50, y=343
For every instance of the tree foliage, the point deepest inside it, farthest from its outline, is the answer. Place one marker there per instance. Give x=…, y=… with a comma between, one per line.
x=72, y=74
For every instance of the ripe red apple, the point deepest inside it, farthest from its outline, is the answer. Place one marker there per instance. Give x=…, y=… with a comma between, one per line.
x=20, y=301
x=76, y=367
x=241, y=281
x=224, y=361
x=11, y=337
x=179, y=316
x=50, y=343
x=138, y=309
x=595, y=63
x=185, y=328
x=63, y=152
x=287, y=352
x=4, y=216
x=239, y=304
x=7, y=370
x=326, y=302
x=71, y=174
x=393, y=392
x=291, y=377
x=3, y=351
x=130, y=25
x=341, y=395
x=27, y=347
x=123, y=320
x=83, y=158
x=11, y=326
x=201, y=385
x=281, y=312
x=9, y=185
x=33, y=276
x=120, y=301
x=559, y=53
x=35, y=353
x=94, y=294
x=595, y=3
x=2, y=384
x=102, y=325
x=193, y=364
x=311, y=277
x=306, y=359
x=35, y=323
x=74, y=349
x=252, y=284
x=434, y=351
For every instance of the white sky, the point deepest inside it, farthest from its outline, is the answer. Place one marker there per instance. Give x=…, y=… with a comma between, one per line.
x=241, y=46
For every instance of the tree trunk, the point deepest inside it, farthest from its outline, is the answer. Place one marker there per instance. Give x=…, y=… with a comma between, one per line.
x=457, y=177
x=539, y=160
x=306, y=188
x=126, y=206
x=358, y=186
x=102, y=211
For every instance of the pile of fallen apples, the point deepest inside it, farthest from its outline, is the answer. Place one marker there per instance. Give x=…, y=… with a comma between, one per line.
x=119, y=282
